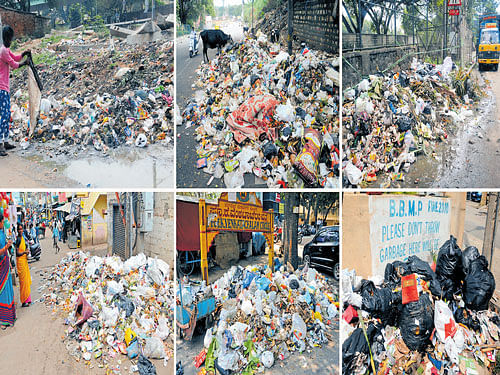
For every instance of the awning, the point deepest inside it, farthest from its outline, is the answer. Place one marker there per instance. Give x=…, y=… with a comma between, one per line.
x=64, y=208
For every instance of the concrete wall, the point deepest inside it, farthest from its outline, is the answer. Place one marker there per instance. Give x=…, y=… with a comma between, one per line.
x=25, y=24
x=160, y=242
x=370, y=61
x=356, y=247
x=227, y=249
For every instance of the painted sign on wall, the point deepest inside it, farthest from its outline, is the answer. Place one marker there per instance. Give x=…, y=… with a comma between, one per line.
x=402, y=226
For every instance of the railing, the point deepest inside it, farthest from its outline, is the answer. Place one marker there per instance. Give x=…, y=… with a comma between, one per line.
x=350, y=42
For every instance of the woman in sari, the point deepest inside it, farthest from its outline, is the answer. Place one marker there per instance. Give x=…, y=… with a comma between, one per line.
x=22, y=267
x=7, y=308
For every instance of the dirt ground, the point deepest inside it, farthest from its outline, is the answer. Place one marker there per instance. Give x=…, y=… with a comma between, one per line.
x=324, y=360
x=34, y=345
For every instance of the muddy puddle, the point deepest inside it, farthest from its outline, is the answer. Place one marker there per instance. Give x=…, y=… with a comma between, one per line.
x=151, y=167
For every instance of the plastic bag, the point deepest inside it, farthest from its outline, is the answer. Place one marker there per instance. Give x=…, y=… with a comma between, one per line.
x=479, y=285
x=113, y=288
x=92, y=266
x=299, y=329
x=246, y=307
x=228, y=360
x=267, y=359
x=381, y=303
x=355, y=345
x=417, y=265
x=83, y=309
x=234, y=179
x=263, y=283
x=469, y=255
x=417, y=322
x=145, y=366
x=134, y=263
x=162, y=330
x=154, y=348
x=239, y=331
x=109, y=316
x=154, y=272
x=444, y=321
x=332, y=311
x=449, y=268
x=353, y=174
x=125, y=304
x=208, y=338
x=285, y=112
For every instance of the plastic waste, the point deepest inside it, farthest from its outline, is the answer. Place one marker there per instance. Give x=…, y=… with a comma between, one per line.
x=153, y=348
x=145, y=366
x=267, y=359
x=83, y=310
x=479, y=285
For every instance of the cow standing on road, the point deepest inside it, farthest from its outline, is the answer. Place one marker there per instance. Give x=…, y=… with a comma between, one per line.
x=214, y=39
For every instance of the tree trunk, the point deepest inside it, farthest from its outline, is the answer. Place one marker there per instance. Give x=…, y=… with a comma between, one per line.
x=316, y=212
x=292, y=223
x=308, y=211
x=328, y=211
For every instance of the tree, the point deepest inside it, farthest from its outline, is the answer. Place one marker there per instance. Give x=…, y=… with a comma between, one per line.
x=189, y=11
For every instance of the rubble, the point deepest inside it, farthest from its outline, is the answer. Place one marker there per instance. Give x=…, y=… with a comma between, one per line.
x=407, y=323
x=113, y=309
x=263, y=317
x=390, y=119
x=98, y=94
x=253, y=112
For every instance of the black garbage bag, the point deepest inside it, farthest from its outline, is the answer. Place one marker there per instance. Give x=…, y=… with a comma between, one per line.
x=145, y=366
x=469, y=255
x=394, y=271
x=404, y=123
x=462, y=315
x=381, y=303
x=356, y=345
x=124, y=303
x=479, y=285
x=417, y=322
x=449, y=268
x=417, y=265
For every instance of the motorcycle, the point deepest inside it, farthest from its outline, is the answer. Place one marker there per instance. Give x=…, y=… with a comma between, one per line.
x=35, y=249
x=193, y=51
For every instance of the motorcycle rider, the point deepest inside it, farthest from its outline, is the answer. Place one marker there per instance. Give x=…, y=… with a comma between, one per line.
x=194, y=37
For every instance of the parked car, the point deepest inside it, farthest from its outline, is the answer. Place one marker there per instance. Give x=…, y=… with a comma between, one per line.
x=322, y=251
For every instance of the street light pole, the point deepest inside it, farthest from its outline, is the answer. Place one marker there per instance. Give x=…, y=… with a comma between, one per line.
x=290, y=25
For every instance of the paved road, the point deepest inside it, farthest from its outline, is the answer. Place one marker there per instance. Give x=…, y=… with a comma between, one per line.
x=187, y=173
x=324, y=360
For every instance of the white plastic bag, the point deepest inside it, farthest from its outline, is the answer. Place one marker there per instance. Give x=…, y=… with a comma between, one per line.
x=285, y=113
x=109, y=316
x=354, y=175
x=247, y=307
x=443, y=317
x=228, y=360
x=93, y=264
x=208, y=338
x=134, y=263
x=154, y=348
x=162, y=331
x=154, y=272
x=267, y=359
x=239, y=331
x=234, y=180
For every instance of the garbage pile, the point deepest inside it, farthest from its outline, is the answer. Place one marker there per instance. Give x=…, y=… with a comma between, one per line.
x=389, y=119
x=422, y=319
x=97, y=98
x=263, y=112
x=263, y=317
x=114, y=309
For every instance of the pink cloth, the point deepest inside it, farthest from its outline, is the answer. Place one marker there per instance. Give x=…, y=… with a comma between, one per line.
x=8, y=61
x=251, y=119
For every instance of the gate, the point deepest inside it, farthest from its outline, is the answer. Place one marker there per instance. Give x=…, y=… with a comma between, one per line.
x=119, y=247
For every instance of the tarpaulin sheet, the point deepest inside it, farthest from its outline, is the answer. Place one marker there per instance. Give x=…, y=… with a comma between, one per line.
x=188, y=226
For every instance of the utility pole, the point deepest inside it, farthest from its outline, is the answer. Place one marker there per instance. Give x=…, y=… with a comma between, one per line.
x=445, y=24
x=252, y=18
x=128, y=226
x=290, y=25
x=491, y=227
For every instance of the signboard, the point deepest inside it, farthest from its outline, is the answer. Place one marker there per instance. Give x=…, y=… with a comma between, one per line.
x=454, y=3
x=230, y=216
x=405, y=226
x=454, y=12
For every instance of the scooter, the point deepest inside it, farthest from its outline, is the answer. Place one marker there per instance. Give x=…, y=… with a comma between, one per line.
x=193, y=51
x=35, y=250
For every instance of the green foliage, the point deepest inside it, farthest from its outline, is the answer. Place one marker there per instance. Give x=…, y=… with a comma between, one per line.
x=191, y=12
x=75, y=14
